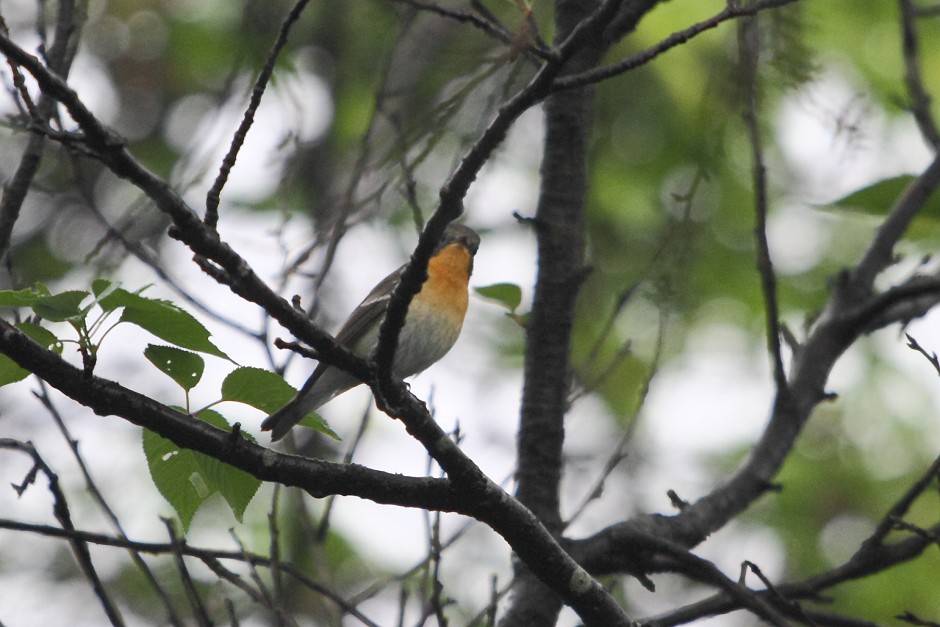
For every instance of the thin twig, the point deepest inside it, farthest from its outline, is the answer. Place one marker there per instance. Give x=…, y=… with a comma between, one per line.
x=214, y=196
x=618, y=455
x=749, y=59
x=901, y=507
x=732, y=11
x=920, y=99
x=61, y=510
x=324, y=525
x=189, y=586
x=483, y=21
x=68, y=30
x=181, y=548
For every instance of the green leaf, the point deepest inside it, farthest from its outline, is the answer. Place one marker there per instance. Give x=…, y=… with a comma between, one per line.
x=62, y=307
x=171, y=469
x=162, y=318
x=508, y=294
x=316, y=422
x=878, y=198
x=186, y=479
x=10, y=371
x=259, y=388
x=184, y=367
x=41, y=336
x=264, y=390
x=20, y=298
x=236, y=486
x=102, y=288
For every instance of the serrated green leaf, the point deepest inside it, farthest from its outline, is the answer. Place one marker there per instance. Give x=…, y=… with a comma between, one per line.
x=171, y=324
x=100, y=285
x=259, y=388
x=236, y=486
x=508, y=294
x=186, y=479
x=111, y=297
x=102, y=288
x=170, y=469
x=316, y=422
x=160, y=317
x=184, y=367
x=264, y=390
x=41, y=335
x=62, y=307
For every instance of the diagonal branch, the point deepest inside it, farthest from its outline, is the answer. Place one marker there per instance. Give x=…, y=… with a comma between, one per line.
x=880, y=253
x=92, y=488
x=867, y=561
x=452, y=193
x=318, y=478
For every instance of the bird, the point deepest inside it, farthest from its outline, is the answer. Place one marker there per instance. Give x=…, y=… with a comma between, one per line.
x=433, y=323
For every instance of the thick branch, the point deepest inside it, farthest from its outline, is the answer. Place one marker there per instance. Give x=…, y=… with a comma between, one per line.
x=559, y=223
x=317, y=477
x=481, y=499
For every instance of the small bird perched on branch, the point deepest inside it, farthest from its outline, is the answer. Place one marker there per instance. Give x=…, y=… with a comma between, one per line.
x=432, y=325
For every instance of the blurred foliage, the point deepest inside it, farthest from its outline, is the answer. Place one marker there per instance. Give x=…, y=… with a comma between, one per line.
x=670, y=210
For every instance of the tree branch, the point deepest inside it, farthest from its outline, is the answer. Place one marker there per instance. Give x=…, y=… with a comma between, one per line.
x=68, y=32
x=60, y=508
x=238, y=139
x=600, y=74
x=207, y=556
x=920, y=98
x=749, y=62
x=851, y=311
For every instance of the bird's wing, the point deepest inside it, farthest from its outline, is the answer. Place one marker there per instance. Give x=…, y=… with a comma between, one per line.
x=367, y=314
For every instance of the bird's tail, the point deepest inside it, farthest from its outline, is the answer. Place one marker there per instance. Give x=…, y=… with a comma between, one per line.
x=322, y=388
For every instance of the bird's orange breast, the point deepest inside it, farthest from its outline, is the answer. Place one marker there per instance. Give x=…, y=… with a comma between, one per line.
x=446, y=287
